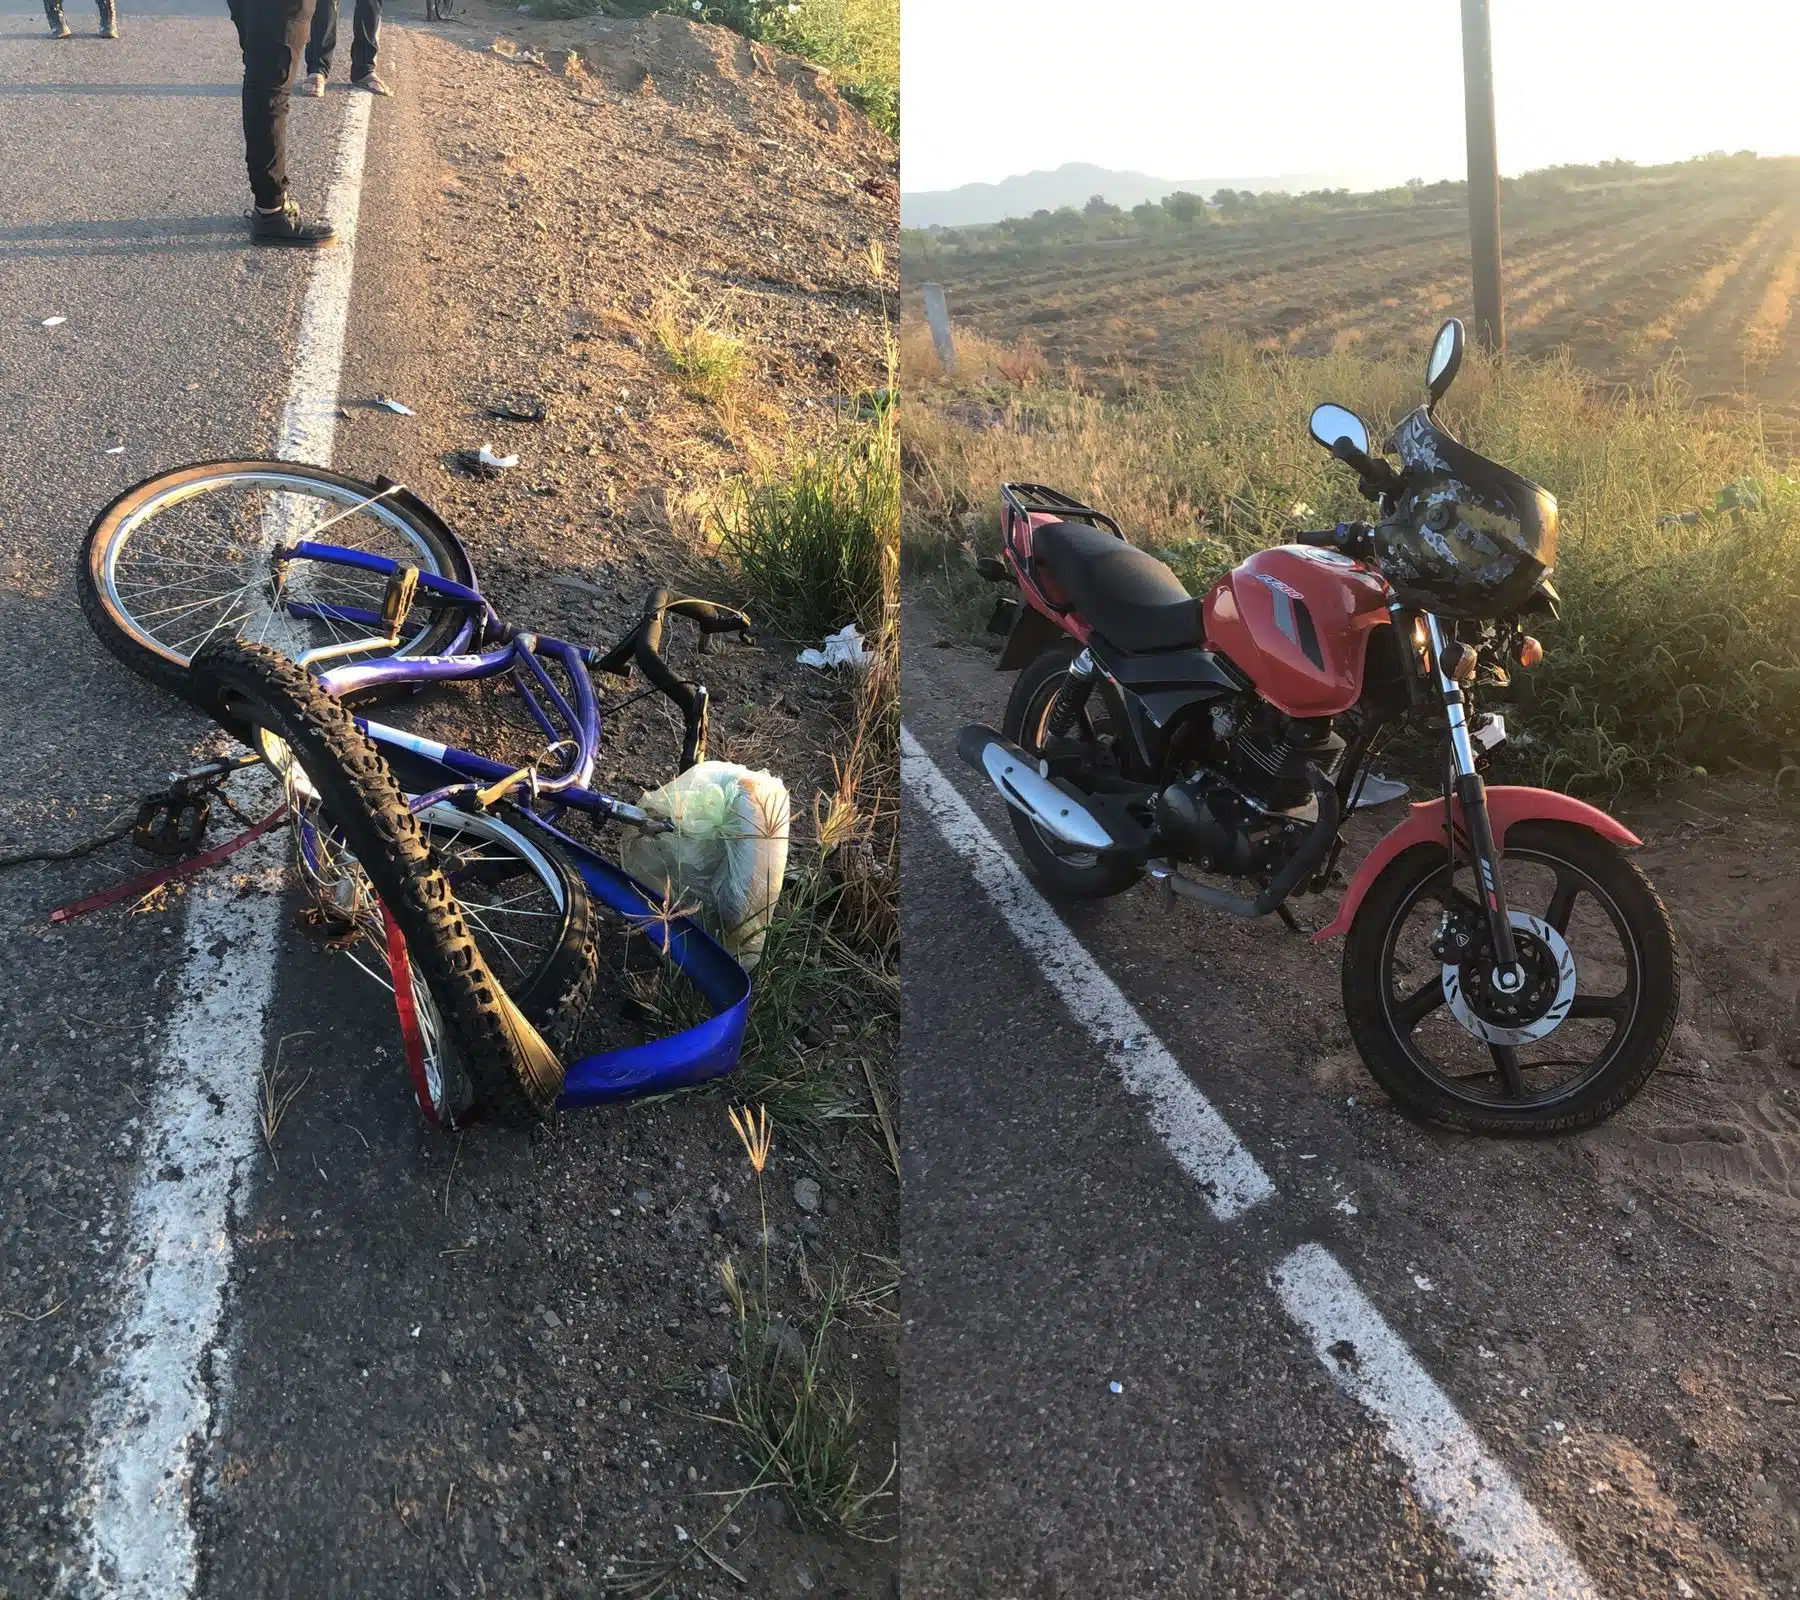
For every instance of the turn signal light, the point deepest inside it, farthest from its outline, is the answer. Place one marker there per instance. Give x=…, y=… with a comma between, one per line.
x=1530, y=652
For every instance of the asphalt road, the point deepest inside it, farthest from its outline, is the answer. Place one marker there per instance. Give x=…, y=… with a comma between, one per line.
x=346, y=1352
x=1056, y=1246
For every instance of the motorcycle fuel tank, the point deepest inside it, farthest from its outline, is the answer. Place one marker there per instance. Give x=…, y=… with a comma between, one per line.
x=1296, y=621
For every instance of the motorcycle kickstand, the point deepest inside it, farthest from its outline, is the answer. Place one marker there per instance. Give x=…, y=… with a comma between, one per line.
x=1287, y=917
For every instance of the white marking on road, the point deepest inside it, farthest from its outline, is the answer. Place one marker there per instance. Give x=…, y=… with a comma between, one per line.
x=1199, y=1138
x=151, y=1423
x=1462, y=1485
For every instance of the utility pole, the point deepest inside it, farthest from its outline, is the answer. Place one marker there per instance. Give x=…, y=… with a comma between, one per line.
x=1484, y=176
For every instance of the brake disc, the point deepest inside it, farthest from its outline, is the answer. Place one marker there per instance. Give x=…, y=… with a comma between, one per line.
x=1476, y=1000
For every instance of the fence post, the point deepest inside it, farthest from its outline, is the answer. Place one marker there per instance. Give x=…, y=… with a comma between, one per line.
x=937, y=314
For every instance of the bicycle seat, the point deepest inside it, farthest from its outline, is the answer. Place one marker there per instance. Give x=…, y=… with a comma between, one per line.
x=1130, y=597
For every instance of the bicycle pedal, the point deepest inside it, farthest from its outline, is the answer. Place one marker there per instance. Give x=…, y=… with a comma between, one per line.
x=335, y=933
x=397, y=598
x=171, y=824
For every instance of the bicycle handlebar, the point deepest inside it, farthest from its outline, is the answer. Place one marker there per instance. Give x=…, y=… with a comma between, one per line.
x=644, y=646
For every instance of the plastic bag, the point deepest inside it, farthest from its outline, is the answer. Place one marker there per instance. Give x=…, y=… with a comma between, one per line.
x=844, y=648
x=728, y=851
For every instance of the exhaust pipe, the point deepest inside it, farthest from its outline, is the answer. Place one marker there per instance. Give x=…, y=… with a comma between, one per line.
x=1052, y=804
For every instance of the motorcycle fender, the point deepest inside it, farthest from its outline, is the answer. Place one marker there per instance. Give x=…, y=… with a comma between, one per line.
x=1031, y=632
x=1507, y=804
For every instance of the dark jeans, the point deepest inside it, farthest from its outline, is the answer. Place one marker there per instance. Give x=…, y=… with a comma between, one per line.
x=271, y=33
x=108, y=12
x=363, y=42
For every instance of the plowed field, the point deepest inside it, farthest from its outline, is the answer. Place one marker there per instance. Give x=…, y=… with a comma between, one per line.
x=1698, y=262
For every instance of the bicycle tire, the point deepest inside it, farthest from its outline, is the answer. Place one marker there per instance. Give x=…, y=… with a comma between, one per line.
x=109, y=533
x=515, y=1072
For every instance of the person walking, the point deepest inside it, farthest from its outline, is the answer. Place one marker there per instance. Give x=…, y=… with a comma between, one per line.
x=320, y=47
x=271, y=34
x=59, y=27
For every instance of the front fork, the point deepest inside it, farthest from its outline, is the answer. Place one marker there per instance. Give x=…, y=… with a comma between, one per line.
x=1471, y=792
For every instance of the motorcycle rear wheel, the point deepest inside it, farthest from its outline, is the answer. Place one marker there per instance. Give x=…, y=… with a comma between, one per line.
x=1407, y=1010
x=1066, y=873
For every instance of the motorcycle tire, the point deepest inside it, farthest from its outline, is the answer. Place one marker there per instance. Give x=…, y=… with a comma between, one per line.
x=1647, y=1007
x=1065, y=874
x=515, y=1074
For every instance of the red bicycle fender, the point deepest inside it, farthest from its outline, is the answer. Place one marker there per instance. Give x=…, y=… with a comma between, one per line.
x=1507, y=804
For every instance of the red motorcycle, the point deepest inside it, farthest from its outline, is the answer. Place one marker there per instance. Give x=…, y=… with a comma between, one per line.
x=1507, y=968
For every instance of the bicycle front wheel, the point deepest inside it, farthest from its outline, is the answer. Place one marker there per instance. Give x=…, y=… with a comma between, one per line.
x=187, y=556
x=346, y=794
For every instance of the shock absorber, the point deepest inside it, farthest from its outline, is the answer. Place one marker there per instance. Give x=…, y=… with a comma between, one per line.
x=1071, y=698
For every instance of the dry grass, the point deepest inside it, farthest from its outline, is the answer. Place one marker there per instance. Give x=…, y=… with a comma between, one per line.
x=276, y=1094
x=711, y=364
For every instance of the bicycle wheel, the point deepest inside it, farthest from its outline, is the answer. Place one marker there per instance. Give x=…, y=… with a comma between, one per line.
x=482, y=1031
x=523, y=899
x=185, y=557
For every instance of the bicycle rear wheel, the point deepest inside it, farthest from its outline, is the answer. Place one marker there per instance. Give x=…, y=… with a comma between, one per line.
x=348, y=797
x=186, y=557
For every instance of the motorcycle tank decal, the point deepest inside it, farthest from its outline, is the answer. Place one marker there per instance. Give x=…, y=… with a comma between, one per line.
x=1296, y=622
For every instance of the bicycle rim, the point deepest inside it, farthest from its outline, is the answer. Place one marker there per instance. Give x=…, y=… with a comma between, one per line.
x=192, y=560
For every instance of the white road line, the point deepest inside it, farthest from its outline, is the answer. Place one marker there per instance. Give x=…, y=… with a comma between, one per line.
x=1460, y=1484
x=1200, y=1139
x=148, y=1434
x=1456, y=1479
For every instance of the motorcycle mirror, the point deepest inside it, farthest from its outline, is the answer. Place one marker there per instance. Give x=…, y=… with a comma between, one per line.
x=1331, y=423
x=1446, y=357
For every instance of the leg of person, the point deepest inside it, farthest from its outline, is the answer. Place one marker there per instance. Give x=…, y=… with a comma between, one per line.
x=59, y=29
x=321, y=46
x=274, y=35
x=109, y=19
x=363, y=46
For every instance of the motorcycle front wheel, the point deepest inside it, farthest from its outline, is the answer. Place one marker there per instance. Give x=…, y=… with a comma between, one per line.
x=1602, y=989
x=1068, y=874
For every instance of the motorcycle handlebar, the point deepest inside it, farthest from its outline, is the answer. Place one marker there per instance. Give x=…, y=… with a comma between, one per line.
x=1378, y=477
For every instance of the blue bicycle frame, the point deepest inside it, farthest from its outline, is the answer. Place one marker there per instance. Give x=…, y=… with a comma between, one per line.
x=485, y=647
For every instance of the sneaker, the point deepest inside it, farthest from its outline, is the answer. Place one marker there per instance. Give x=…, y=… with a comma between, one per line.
x=285, y=227
x=60, y=30
x=312, y=86
x=370, y=82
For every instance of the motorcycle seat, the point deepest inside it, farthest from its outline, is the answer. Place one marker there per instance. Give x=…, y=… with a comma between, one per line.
x=1133, y=600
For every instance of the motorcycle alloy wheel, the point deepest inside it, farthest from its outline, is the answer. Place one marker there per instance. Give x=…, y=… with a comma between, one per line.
x=1602, y=990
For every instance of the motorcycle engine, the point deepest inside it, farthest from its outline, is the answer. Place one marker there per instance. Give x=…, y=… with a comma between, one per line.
x=1267, y=752
x=1232, y=816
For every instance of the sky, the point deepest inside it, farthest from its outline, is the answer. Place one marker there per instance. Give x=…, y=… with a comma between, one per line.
x=1200, y=88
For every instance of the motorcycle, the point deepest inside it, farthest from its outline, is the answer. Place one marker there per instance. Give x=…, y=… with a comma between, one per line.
x=1506, y=968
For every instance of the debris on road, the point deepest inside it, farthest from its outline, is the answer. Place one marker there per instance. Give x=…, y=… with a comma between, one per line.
x=844, y=648
x=54, y=322
x=394, y=406
x=115, y=450
x=1116, y=1386
x=488, y=459
x=806, y=1195
x=523, y=408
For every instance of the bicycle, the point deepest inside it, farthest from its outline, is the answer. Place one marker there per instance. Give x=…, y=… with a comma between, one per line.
x=209, y=580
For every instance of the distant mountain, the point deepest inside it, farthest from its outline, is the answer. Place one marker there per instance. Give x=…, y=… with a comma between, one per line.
x=1072, y=185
